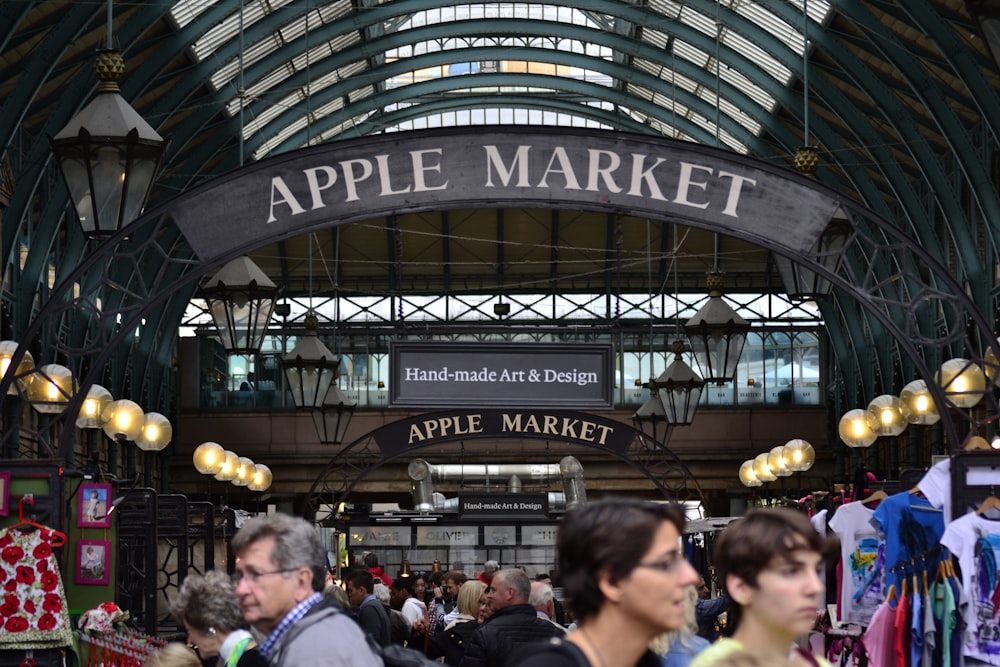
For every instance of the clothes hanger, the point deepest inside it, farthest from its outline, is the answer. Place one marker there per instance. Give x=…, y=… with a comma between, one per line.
x=976, y=442
x=56, y=538
x=875, y=497
x=891, y=595
x=990, y=503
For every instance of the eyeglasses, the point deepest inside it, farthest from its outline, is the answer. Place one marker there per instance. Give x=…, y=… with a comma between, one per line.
x=669, y=564
x=251, y=576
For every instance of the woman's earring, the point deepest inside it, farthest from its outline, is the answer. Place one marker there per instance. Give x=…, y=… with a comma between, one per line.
x=211, y=632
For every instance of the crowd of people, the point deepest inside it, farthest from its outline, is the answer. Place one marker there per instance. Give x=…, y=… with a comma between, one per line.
x=632, y=599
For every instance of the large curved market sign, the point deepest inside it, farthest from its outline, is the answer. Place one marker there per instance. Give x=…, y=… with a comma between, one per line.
x=352, y=180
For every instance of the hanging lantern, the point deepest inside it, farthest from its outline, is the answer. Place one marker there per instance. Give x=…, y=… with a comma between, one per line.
x=651, y=412
x=333, y=418
x=679, y=389
x=241, y=299
x=310, y=368
x=804, y=284
x=717, y=334
x=108, y=155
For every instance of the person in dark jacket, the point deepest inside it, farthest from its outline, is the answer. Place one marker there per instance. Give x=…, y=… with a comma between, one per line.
x=369, y=612
x=513, y=624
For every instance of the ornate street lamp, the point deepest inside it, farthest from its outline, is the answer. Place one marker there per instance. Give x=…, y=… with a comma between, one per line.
x=717, y=334
x=334, y=416
x=310, y=368
x=885, y=415
x=51, y=388
x=964, y=382
x=156, y=433
x=262, y=478
x=651, y=412
x=230, y=467
x=240, y=299
x=918, y=404
x=22, y=374
x=799, y=455
x=108, y=154
x=208, y=458
x=678, y=389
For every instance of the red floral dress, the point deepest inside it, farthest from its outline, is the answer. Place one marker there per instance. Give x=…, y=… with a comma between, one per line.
x=33, y=610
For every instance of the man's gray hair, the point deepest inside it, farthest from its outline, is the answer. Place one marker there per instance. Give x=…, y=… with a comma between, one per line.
x=296, y=544
x=517, y=580
x=541, y=594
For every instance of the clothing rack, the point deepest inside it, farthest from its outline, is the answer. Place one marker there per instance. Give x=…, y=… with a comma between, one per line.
x=123, y=648
x=911, y=564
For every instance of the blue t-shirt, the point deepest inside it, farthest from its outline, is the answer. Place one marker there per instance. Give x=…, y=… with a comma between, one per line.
x=912, y=526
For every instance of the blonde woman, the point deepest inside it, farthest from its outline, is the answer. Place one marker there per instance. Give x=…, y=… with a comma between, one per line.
x=678, y=648
x=450, y=642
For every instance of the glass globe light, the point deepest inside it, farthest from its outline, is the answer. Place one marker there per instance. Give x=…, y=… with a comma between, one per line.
x=24, y=367
x=799, y=455
x=761, y=469
x=156, y=433
x=51, y=388
x=244, y=471
x=918, y=405
x=777, y=463
x=747, y=475
x=854, y=429
x=124, y=418
x=93, y=412
x=262, y=478
x=885, y=415
x=209, y=458
x=963, y=382
x=230, y=465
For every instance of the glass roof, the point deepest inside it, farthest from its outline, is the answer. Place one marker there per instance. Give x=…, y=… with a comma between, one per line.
x=454, y=55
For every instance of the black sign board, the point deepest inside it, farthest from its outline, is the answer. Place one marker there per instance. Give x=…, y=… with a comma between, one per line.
x=446, y=374
x=436, y=428
x=503, y=505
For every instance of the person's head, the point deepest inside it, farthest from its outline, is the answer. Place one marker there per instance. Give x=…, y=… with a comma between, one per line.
x=173, y=654
x=452, y=582
x=702, y=588
x=400, y=589
x=371, y=560
x=360, y=584
x=770, y=562
x=541, y=598
x=508, y=587
x=280, y=561
x=468, y=597
x=383, y=594
x=337, y=592
x=207, y=607
x=485, y=611
x=93, y=494
x=419, y=586
x=627, y=553
x=490, y=567
x=544, y=577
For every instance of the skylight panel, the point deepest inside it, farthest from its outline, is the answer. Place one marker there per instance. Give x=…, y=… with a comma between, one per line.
x=791, y=36
x=757, y=55
x=185, y=11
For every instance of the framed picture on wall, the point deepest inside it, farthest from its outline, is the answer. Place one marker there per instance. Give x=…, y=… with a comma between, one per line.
x=4, y=493
x=92, y=506
x=93, y=561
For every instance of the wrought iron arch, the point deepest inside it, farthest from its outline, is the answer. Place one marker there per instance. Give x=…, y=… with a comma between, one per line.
x=668, y=474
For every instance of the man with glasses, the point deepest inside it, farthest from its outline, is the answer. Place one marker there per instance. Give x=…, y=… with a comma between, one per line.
x=280, y=573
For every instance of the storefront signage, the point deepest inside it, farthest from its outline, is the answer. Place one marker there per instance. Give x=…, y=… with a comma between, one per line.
x=447, y=536
x=436, y=428
x=379, y=536
x=430, y=374
x=503, y=505
x=499, y=536
x=539, y=536
x=340, y=182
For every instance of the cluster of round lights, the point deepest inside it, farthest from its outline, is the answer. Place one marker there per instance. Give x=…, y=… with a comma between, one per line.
x=796, y=455
x=211, y=458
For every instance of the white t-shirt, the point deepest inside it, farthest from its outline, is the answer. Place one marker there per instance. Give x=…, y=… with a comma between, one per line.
x=936, y=484
x=862, y=549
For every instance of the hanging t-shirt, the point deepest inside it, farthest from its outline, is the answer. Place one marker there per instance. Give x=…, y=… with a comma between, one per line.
x=911, y=527
x=862, y=553
x=975, y=540
x=936, y=485
x=32, y=600
x=943, y=600
x=879, y=639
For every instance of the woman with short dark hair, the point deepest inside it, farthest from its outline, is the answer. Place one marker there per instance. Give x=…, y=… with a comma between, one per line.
x=624, y=571
x=208, y=608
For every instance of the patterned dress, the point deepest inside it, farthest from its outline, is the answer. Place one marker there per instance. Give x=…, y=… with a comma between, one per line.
x=33, y=610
